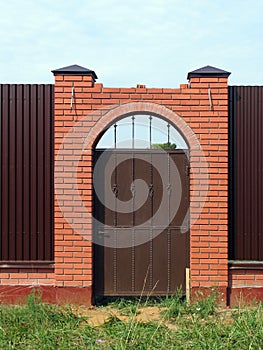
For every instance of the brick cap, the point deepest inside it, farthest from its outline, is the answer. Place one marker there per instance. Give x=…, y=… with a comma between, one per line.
x=75, y=70
x=208, y=71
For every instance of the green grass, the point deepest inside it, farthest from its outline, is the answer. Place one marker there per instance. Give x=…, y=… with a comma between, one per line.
x=200, y=325
x=175, y=307
x=126, y=306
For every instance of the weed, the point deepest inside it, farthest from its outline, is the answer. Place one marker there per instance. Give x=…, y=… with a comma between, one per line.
x=174, y=306
x=38, y=325
x=204, y=306
x=127, y=306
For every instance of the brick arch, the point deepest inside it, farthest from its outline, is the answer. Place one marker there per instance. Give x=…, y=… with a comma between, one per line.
x=142, y=107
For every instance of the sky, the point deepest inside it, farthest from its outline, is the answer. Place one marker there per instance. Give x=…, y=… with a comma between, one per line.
x=142, y=137
x=130, y=42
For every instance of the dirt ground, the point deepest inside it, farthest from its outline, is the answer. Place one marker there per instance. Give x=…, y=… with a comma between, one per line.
x=97, y=316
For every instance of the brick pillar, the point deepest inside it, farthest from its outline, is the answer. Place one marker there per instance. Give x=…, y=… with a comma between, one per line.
x=73, y=248
x=209, y=234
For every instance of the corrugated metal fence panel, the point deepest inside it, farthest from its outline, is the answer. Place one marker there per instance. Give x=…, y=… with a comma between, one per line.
x=26, y=176
x=246, y=172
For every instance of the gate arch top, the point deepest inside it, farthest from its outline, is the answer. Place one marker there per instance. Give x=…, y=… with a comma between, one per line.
x=146, y=108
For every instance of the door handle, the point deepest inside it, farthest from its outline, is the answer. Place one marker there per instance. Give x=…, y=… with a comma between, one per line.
x=103, y=234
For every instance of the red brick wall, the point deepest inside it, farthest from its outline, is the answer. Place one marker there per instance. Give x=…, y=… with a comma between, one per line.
x=189, y=108
x=76, y=129
x=246, y=278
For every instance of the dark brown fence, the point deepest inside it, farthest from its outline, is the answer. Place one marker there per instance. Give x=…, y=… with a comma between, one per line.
x=246, y=172
x=26, y=176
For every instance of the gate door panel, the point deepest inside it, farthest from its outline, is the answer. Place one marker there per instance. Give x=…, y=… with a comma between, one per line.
x=141, y=226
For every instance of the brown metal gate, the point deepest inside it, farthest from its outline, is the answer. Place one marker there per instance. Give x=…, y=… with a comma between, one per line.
x=157, y=265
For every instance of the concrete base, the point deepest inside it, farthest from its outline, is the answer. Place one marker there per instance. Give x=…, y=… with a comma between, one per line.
x=204, y=292
x=244, y=295
x=83, y=296
x=50, y=294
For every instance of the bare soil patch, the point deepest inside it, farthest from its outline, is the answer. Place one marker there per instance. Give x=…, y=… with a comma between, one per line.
x=98, y=316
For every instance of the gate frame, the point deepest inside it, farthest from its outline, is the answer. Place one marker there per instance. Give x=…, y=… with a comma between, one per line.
x=203, y=108
x=200, y=106
x=201, y=278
